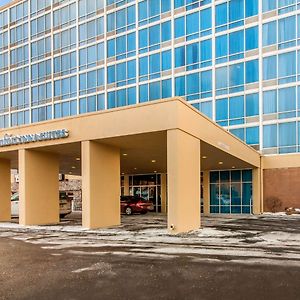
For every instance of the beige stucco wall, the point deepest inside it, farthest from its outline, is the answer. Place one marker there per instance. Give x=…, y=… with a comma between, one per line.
x=5, y=190
x=38, y=189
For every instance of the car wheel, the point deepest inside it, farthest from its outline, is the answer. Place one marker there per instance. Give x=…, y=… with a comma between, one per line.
x=128, y=211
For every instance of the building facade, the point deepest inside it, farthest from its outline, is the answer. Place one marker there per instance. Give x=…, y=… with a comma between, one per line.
x=237, y=61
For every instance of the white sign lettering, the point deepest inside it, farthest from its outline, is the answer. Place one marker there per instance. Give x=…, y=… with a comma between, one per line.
x=9, y=139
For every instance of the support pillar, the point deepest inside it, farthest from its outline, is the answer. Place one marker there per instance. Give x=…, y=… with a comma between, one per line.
x=100, y=185
x=256, y=191
x=163, y=178
x=5, y=191
x=126, y=185
x=206, y=193
x=38, y=188
x=183, y=159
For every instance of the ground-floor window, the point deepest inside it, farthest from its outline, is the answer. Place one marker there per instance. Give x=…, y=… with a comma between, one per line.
x=231, y=192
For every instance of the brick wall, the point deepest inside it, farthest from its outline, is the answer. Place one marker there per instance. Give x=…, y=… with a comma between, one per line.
x=284, y=185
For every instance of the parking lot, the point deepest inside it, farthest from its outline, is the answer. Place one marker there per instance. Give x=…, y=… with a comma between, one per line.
x=235, y=257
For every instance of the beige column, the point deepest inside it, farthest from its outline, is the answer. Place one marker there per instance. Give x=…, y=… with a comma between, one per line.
x=5, y=190
x=256, y=191
x=163, y=190
x=100, y=185
x=206, y=193
x=183, y=159
x=126, y=185
x=38, y=188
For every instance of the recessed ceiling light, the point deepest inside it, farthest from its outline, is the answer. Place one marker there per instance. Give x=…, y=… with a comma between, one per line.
x=135, y=168
x=220, y=163
x=204, y=156
x=125, y=154
x=73, y=167
x=155, y=171
x=233, y=167
x=77, y=158
x=153, y=160
x=70, y=172
x=123, y=173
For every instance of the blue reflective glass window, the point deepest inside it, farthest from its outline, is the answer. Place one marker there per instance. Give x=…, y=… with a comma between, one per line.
x=206, y=81
x=239, y=132
x=154, y=63
x=287, y=99
x=143, y=66
x=131, y=95
x=111, y=101
x=111, y=74
x=221, y=14
x=143, y=93
x=252, y=135
x=222, y=45
x=166, y=31
x=143, y=38
x=180, y=86
x=166, y=88
x=178, y=3
x=205, y=19
x=251, y=38
x=269, y=33
x=287, y=134
x=154, y=91
x=192, y=83
x=154, y=35
x=143, y=10
x=251, y=7
x=270, y=102
x=222, y=109
x=236, y=10
x=206, y=50
x=252, y=71
x=252, y=105
x=287, y=64
x=120, y=44
x=236, y=42
x=287, y=29
x=236, y=74
x=236, y=107
x=179, y=27
x=192, y=23
x=121, y=71
x=166, y=60
x=192, y=53
x=221, y=78
x=269, y=5
x=179, y=57
x=270, y=136
x=269, y=67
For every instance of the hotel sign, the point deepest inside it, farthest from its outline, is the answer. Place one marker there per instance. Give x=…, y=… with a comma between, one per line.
x=9, y=139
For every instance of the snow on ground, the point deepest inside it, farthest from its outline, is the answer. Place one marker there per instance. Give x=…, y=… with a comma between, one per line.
x=269, y=239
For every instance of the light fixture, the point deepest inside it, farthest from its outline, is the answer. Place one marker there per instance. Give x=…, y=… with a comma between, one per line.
x=123, y=173
x=70, y=172
x=124, y=154
x=220, y=163
x=153, y=160
x=204, y=157
x=135, y=168
x=233, y=167
x=73, y=167
x=77, y=158
x=155, y=171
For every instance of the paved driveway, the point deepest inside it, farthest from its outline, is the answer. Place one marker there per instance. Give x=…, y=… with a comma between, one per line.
x=230, y=258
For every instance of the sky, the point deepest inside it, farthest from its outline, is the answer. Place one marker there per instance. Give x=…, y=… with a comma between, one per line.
x=3, y=2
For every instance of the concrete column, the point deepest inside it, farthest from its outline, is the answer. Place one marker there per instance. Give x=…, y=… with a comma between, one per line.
x=126, y=185
x=183, y=159
x=256, y=191
x=100, y=185
x=38, y=188
x=5, y=190
x=163, y=190
x=206, y=193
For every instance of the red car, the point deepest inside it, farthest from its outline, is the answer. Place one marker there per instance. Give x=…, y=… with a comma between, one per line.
x=132, y=204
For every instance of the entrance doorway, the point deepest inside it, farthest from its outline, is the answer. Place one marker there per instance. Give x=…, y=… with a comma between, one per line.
x=147, y=186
